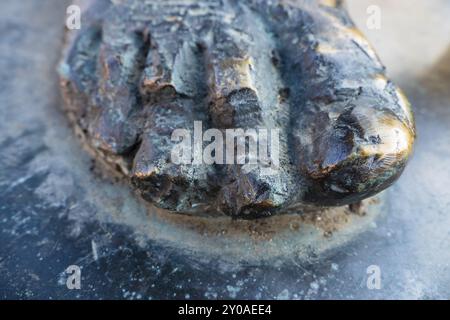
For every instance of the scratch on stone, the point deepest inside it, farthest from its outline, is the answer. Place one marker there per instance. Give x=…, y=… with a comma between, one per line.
x=94, y=250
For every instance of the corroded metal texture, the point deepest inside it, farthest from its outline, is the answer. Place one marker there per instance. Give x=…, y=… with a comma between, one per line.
x=138, y=70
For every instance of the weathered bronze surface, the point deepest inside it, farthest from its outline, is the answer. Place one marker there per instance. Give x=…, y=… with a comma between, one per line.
x=137, y=70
